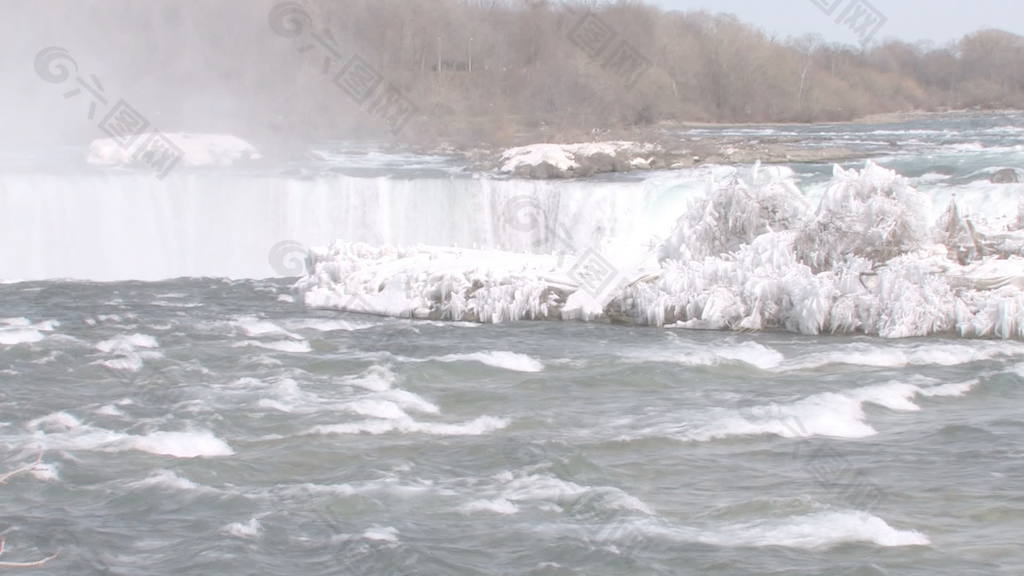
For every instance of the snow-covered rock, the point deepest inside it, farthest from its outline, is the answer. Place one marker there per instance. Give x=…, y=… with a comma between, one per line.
x=751, y=255
x=193, y=149
x=578, y=160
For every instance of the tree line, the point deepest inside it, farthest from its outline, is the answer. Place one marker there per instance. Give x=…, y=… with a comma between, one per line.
x=502, y=71
x=492, y=68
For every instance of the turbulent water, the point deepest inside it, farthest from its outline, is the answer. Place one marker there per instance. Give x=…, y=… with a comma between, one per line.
x=209, y=427
x=215, y=426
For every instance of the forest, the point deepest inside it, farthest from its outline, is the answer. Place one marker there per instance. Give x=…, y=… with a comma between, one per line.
x=500, y=71
x=490, y=69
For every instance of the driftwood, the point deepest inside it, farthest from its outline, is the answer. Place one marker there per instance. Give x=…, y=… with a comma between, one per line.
x=3, y=480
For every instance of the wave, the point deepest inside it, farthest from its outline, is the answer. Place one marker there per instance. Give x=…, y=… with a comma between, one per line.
x=817, y=530
x=693, y=354
x=247, y=531
x=372, y=396
x=165, y=480
x=15, y=331
x=64, y=431
x=513, y=361
x=861, y=354
x=288, y=346
x=477, y=427
x=837, y=414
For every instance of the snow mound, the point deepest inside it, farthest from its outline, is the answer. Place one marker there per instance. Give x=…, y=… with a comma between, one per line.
x=195, y=150
x=577, y=160
x=750, y=255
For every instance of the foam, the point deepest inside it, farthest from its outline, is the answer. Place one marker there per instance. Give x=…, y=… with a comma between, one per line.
x=953, y=389
x=15, y=331
x=15, y=336
x=831, y=414
x=193, y=444
x=1018, y=369
x=166, y=480
x=250, y=530
x=381, y=534
x=127, y=343
x=543, y=487
x=817, y=530
x=450, y=324
x=369, y=394
x=375, y=378
x=477, y=427
x=65, y=431
x=409, y=401
x=328, y=325
x=55, y=422
x=15, y=321
x=132, y=363
x=290, y=397
x=255, y=327
x=513, y=361
x=289, y=346
x=901, y=356
x=382, y=409
x=750, y=353
x=497, y=506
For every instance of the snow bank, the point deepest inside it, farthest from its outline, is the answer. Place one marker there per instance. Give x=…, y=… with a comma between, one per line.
x=750, y=255
x=196, y=150
x=577, y=160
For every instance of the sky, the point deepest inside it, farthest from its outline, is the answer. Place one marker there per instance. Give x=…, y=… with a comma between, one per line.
x=939, y=21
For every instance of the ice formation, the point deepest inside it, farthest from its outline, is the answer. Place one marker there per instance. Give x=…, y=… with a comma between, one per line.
x=750, y=255
x=196, y=149
x=436, y=283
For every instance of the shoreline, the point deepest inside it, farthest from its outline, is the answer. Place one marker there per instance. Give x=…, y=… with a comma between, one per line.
x=676, y=151
x=875, y=118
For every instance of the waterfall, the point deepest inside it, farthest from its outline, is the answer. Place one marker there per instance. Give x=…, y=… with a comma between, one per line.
x=131, y=226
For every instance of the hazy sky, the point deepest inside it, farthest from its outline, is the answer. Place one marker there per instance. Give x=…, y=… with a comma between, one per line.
x=937, y=20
